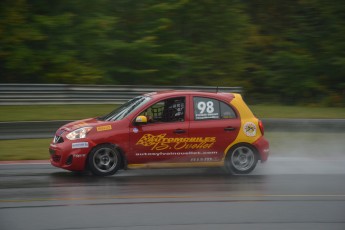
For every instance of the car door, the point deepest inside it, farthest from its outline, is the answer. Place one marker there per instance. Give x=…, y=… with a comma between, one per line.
x=158, y=140
x=215, y=123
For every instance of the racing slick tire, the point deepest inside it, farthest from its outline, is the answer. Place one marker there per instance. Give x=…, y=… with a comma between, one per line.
x=104, y=160
x=241, y=159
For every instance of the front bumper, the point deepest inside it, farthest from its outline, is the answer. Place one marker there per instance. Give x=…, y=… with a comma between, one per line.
x=63, y=155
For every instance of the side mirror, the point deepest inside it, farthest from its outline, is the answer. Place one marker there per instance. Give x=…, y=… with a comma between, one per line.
x=141, y=120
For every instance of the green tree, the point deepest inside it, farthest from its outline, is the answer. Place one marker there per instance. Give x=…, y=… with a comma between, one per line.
x=291, y=48
x=290, y=51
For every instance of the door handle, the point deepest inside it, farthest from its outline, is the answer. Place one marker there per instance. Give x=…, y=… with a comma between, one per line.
x=229, y=128
x=179, y=131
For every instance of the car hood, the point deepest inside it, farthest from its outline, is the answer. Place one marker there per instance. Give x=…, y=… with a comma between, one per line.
x=90, y=122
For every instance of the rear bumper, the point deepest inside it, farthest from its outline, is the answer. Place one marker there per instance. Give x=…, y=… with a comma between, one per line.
x=263, y=148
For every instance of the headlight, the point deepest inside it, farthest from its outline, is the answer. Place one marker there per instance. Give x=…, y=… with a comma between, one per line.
x=78, y=133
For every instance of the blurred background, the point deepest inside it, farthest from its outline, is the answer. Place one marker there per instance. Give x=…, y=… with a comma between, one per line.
x=287, y=51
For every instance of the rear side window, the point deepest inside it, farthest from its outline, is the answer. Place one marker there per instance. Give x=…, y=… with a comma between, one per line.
x=226, y=112
x=207, y=108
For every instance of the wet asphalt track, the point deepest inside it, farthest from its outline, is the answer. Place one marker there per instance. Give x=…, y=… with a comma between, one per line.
x=285, y=193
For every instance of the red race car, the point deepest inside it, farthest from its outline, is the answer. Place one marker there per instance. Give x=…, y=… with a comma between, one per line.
x=165, y=129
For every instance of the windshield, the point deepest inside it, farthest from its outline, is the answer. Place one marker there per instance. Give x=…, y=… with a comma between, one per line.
x=125, y=109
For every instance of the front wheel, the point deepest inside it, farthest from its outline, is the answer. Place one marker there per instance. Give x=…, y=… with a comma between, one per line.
x=104, y=160
x=241, y=159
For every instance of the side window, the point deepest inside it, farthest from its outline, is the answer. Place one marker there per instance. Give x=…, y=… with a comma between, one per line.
x=207, y=108
x=169, y=110
x=226, y=112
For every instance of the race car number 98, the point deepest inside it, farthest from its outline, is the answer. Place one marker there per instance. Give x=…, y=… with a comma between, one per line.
x=208, y=106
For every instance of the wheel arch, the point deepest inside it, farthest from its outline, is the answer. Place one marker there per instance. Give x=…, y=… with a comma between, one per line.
x=256, y=151
x=243, y=163
x=123, y=164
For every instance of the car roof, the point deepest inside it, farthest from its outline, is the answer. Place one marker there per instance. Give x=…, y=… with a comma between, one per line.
x=177, y=93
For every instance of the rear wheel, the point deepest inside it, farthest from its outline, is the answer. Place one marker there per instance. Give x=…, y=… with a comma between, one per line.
x=104, y=160
x=241, y=159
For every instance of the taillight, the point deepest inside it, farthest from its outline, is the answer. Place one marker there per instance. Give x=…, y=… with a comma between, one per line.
x=261, y=126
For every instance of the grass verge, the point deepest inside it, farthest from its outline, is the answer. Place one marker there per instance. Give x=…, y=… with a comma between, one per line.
x=279, y=111
x=77, y=112
x=52, y=112
x=24, y=149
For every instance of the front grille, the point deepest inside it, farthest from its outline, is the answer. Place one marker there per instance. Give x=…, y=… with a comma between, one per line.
x=56, y=158
x=58, y=136
x=58, y=139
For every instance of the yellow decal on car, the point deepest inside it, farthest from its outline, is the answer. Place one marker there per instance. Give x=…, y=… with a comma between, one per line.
x=160, y=142
x=250, y=133
x=249, y=129
x=104, y=128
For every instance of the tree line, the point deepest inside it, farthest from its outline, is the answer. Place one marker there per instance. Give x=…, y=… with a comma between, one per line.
x=280, y=51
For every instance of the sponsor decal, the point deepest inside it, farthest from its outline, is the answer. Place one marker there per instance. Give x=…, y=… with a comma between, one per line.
x=80, y=145
x=79, y=155
x=188, y=153
x=135, y=130
x=104, y=128
x=203, y=159
x=249, y=129
x=160, y=142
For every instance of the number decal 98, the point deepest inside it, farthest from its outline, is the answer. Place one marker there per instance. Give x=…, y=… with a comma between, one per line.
x=208, y=106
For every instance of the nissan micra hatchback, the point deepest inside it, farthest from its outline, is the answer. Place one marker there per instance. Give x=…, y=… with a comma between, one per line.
x=165, y=129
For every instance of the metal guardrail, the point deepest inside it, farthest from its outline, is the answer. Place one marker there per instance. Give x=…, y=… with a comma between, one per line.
x=47, y=129
x=27, y=94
